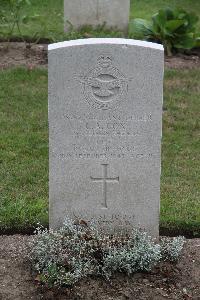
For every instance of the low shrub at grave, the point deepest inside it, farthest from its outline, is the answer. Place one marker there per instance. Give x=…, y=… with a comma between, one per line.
x=63, y=257
x=175, y=29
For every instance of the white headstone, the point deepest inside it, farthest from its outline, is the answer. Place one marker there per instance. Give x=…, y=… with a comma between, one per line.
x=113, y=13
x=105, y=121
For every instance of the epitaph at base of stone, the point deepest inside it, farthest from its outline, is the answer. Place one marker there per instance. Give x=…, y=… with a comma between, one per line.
x=105, y=123
x=111, y=14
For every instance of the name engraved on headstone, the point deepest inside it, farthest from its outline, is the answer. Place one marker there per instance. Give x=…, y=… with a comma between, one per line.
x=127, y=131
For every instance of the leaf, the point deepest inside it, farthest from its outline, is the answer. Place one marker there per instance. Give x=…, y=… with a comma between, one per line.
x=185, y=42
x=192, y=21
x=160, y=18
x=169, y=13
x=193, y=18
x=197, y=42
x=140, y=28
x=172, y=25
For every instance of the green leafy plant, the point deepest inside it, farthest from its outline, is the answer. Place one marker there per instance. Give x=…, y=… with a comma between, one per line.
x=43, y=30
x=175, y=29
x=78, y=250
x=14, y=19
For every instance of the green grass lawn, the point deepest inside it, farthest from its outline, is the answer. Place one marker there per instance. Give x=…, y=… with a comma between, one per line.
x=50, y=25
x=24, y=150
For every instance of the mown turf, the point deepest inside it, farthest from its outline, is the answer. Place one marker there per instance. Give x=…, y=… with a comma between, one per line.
x=24, y=150
x=180, y=189
x=48, y=22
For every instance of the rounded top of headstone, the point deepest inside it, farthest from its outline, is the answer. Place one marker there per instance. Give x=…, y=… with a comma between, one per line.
x=103, y=41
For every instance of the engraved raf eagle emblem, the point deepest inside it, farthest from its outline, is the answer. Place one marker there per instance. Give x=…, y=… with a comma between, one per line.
x=104, y=86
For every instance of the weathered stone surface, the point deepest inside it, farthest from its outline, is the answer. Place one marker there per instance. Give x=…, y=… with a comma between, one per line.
x=105, y=108
x=112, y=13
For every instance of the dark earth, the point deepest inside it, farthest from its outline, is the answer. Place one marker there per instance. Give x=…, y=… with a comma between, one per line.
x=167, y=281
x=34, y=55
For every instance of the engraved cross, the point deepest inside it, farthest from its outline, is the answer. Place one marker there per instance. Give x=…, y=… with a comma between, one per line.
x=105, y=179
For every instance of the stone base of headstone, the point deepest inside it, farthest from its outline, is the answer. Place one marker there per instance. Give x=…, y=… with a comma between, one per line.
x=113, y=14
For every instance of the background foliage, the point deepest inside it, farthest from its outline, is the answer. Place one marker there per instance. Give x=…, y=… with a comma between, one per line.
x=46, y=16
x=175, y=29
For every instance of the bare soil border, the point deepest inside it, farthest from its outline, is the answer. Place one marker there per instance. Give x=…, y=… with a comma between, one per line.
x=164, y=231
x=30, y=55
x=166, y=281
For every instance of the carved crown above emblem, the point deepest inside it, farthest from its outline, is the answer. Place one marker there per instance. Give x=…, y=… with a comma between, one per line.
x=104, y=61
